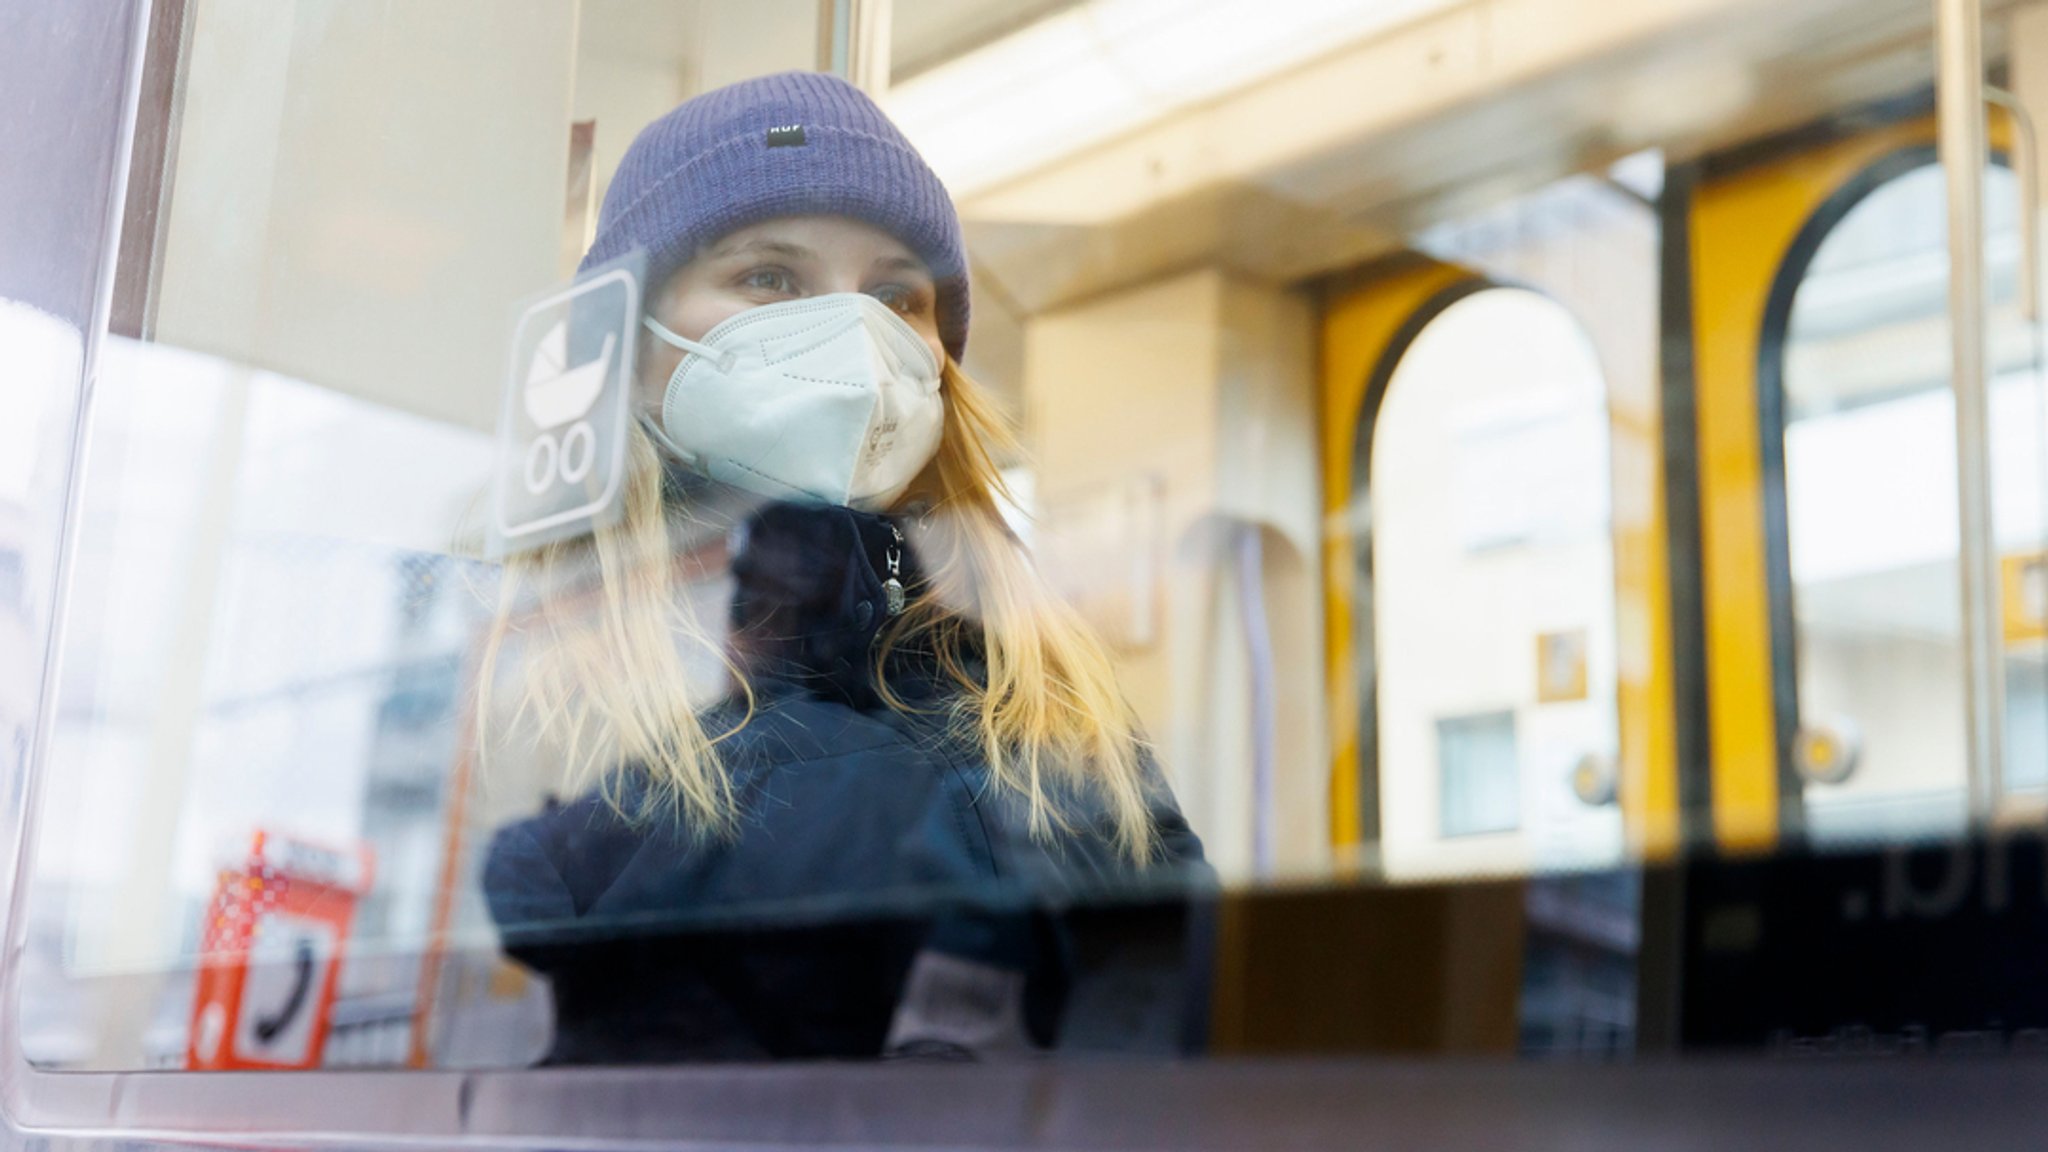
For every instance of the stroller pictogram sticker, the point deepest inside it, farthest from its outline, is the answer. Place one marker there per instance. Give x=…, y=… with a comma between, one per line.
x=555, y=395
x=562, y=429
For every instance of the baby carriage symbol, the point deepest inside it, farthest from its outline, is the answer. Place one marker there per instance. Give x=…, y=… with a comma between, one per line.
x=556, y=395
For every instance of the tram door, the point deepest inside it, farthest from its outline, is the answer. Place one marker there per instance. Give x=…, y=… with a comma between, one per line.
x=1828, y=470
x=1497, y=649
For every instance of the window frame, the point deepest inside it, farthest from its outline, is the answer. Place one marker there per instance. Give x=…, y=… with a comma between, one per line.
x=1773, y=421
x=1363, y=540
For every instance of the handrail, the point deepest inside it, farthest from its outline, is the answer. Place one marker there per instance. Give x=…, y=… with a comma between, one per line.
x=1960, y=96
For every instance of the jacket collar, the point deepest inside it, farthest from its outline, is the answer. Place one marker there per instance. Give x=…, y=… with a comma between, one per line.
x=811, y=598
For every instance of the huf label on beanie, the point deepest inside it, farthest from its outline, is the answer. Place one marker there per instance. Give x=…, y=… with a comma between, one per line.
x=786, y=136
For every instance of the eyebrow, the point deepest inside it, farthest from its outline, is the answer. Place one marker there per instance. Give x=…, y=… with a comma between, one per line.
x=780, y=248
x=902, y=264
x=797, y=252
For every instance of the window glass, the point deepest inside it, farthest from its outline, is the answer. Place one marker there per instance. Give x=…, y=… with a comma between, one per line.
x=1870, y=482
x=559, y=579
x=1493, y=592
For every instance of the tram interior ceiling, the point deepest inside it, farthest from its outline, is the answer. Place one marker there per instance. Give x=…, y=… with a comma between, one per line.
x=1082, y=573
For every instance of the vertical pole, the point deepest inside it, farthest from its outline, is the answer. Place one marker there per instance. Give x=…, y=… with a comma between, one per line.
x=1258, y=642
x=853, y=41
x=1958, y=30
x=832, y=36
x=867, y=46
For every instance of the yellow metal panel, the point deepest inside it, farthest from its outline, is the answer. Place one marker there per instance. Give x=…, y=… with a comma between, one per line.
x=1739, y=235
x=1358, y=324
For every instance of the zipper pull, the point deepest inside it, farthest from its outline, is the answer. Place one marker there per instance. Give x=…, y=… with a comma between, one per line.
x=892, y=588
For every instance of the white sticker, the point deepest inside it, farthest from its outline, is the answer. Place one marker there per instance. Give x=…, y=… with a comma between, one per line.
x=288, y=961
x=562, y=430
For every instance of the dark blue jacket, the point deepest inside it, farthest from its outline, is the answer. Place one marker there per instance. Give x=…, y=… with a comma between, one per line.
x=867, y=834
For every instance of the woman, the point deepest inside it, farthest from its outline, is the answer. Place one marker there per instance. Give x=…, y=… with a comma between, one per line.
x=920, y=744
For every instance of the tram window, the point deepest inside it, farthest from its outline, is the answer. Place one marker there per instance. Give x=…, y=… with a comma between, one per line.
x=1480, y=772
x=1870, y=493
x=1493, y=592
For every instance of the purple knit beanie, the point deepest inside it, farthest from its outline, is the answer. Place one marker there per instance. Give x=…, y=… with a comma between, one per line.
x=792, y=144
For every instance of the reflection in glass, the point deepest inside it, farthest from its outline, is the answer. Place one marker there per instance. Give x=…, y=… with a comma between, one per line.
x=267, y=638
x=1870, y=491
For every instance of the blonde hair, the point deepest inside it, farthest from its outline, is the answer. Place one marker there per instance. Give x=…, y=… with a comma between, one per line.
x=603, y=632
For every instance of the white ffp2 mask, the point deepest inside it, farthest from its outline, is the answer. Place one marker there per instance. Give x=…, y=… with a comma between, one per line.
x=829, y=398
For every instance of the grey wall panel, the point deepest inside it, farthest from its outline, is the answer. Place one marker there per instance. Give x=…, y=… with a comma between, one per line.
x=65, y=83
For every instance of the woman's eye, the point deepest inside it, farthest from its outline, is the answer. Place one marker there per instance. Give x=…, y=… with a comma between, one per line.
x=897, y=297
x=773, y=280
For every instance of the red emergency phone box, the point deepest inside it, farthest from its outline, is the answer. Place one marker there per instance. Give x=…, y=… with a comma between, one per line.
x=275, y=934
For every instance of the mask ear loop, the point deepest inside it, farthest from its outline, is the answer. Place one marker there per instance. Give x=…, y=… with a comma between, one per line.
x=726, y=360
x=659, y=435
